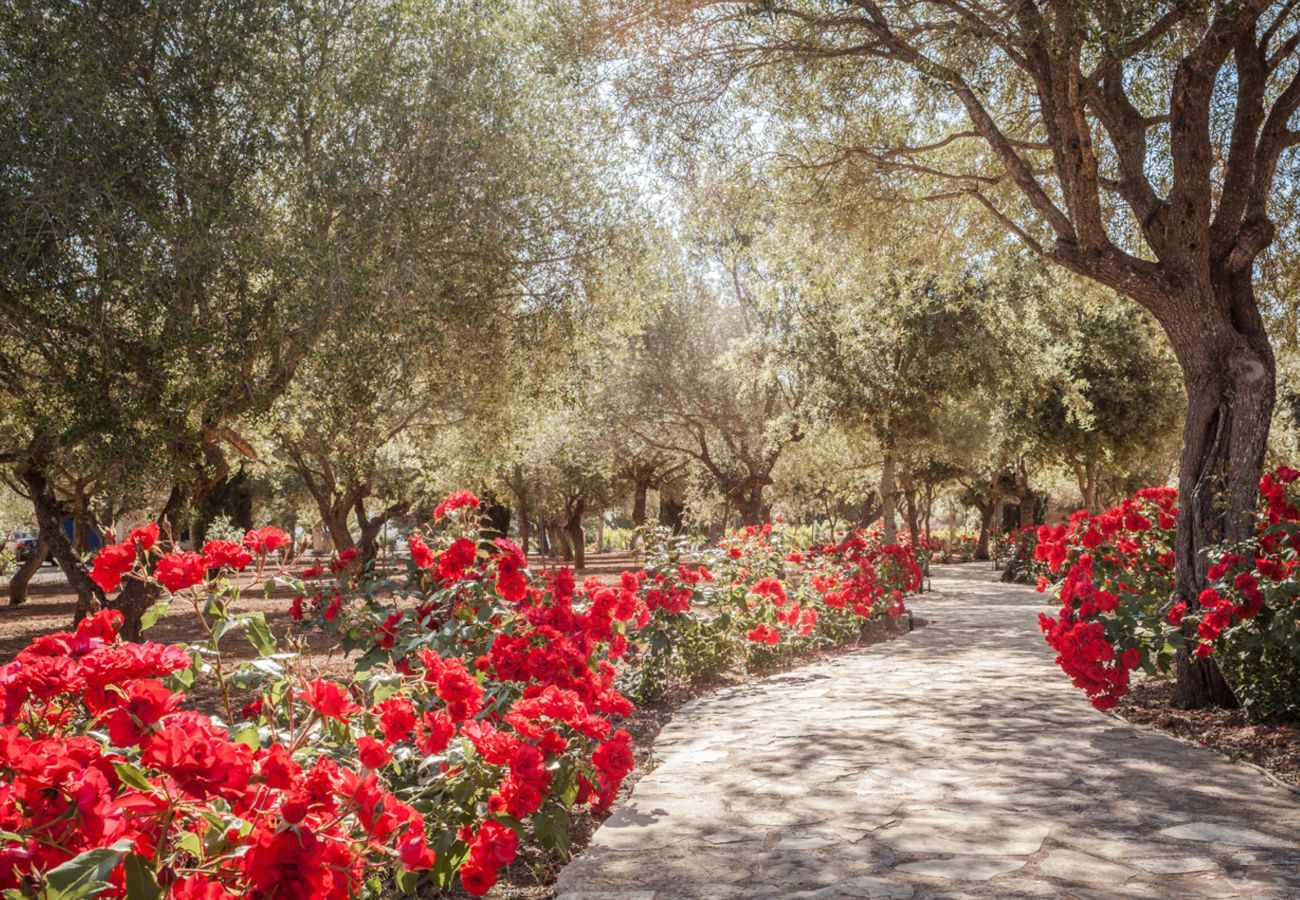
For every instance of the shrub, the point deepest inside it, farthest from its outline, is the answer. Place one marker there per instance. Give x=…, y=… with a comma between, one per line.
x=482, y=708
x=111, y=787
x=958, y=547
x=1118, y=612
x=1018, y=549
x=506, y=682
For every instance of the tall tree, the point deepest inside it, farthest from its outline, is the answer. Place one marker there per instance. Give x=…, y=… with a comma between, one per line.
x=146, y=292
x=1138, y=144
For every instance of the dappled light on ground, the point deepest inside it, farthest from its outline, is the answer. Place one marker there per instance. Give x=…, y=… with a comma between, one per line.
x=957, y=761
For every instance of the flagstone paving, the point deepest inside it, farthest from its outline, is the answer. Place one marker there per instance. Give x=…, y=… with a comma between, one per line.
x=953, y=762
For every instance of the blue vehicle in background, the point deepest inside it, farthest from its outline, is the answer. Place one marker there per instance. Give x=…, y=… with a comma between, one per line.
x=93, y=540
x=22, y=542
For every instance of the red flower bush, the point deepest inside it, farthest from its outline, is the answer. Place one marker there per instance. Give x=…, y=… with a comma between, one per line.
x=1116, y=593
x=506, y=691
x=1117, y=606
x=484, y=707
x=171, y=796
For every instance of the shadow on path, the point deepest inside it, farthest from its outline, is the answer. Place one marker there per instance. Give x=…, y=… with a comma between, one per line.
x=954, y=762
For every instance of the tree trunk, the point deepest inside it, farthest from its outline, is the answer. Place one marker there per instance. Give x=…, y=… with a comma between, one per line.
x=986, y=527
x=997, y=521
x=888, y=500
x=578, y=539
x=1026, y=509
x=671, y=512
x=909, y=507
x=1087, y=476
x=495, y=521
x=1230, y=394
x=134, y=599
x=639, y=491
x=750, y=505
x=89, y=596
x=871, y=510
x=913, y=518
x=23, y=577
x=336, y=522
x=559, y=540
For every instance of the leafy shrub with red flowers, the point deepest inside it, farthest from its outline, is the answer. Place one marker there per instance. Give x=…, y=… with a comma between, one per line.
x=493, y=690
x=1250, y=616
x=1117, y=611
x=109, y=786
x=835, y=590
x=955, y=548
x=483, y=708
x=755, y=601
x=1116, y=592
x=1015, y=552
x=684, y=639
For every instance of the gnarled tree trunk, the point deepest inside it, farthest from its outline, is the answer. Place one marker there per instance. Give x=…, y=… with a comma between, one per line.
x=23, y=577
x=889, y=498
x=575, y=535
x=640, y=488
x=1230, y=376
x=750, y=503
x=986, y=526
x=48, y=517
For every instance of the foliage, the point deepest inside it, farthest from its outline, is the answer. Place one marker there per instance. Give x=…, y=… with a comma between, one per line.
x=113, y=788
x=1119, y=612
x=1017, y=550
x=956, y=547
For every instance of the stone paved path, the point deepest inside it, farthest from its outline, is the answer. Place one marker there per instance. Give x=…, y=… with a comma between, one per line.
x=953, y=762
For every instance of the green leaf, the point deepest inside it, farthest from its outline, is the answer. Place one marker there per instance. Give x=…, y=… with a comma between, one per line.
x=141, y=884
x=134, y=776
x=259, y=634
x=153, y=614
x=191, y=844
x=85, y=875
x=407, y=881
x=247, y=736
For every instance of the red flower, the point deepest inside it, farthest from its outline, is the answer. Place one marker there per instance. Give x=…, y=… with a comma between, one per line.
x=1176, y=613
x=198, y=887
x=112, y=562
x=144, y=537
x=454, y=502
x=421, y=555
x=476, y=878
x=142, y=706
x=397, y=718
x=201, y=759
x=772, y=589
x=178, y=571
x=511, y=584
x=373, y=753
x=494, y=846
x=294, y=864
x=329, y=699
x=456, y=559
x=266, y=540
x=217, y=554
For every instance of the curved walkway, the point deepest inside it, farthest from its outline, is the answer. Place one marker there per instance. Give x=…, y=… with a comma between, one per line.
x=953, y=762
